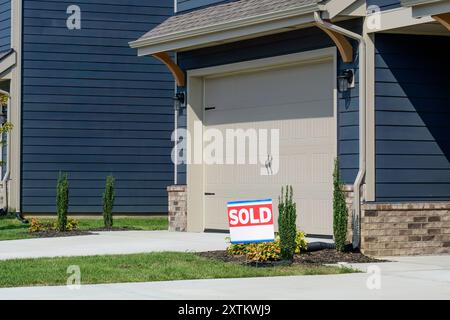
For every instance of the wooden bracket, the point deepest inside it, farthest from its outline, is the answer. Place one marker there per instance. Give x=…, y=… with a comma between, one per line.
x=177, y=73
x=343, y=45
x=443, y=19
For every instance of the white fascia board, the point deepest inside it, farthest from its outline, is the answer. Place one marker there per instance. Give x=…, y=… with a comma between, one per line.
x=8, y=62
x=223, y=36
x=431, y=9
x=227, y=26
x=398, y=18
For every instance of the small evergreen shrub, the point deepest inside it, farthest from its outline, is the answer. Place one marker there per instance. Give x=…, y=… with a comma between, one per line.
x=62, y=201
x=287, y=228
x=108, y=202
x=340, y=214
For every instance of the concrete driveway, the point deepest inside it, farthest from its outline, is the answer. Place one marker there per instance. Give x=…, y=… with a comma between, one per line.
x=102, y=243
x=123, y=242
x=407, y=278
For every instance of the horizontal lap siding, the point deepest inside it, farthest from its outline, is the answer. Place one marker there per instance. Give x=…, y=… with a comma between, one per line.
x=5, y=25
x=412, y=118
x=183, y=5
x=287, y=43
x=91, y=107
x=385, y=4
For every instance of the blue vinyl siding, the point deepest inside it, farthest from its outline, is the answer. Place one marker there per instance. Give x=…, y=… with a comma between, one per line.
x=385, y=4
x=5, y=25
x=412, y=118
x=287, y=43
x=184, y=5
x=91, y=107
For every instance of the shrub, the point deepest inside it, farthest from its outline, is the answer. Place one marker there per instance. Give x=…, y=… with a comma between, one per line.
x=71, y=225
x=340, y=214
x=266, y=251
x=62, y=202
x=108, y=202
x=287, y=223
x=300, y=242
x=237, y=249
x=36, y=226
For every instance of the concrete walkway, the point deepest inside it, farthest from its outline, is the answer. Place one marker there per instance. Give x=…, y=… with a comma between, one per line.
x=122, y=242
x=408, y=278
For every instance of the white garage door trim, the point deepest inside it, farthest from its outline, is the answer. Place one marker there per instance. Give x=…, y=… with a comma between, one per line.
x=196, y=109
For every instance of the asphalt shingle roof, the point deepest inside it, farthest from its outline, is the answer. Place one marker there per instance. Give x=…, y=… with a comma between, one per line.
x=223, y=13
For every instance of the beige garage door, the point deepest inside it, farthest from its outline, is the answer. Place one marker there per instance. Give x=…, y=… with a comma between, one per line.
x=297, y=100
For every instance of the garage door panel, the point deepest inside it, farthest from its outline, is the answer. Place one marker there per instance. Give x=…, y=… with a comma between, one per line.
x=298, y=101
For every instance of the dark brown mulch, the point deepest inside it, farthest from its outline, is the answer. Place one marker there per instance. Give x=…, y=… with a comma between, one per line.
x=57, y=234
x=327, y=256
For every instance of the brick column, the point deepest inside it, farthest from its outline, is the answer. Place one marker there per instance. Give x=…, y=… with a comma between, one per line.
x=177, y=208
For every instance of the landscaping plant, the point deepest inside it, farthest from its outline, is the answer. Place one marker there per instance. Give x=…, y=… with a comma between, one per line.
x=340, y=214
x=108, y=202
x=62, y=202
x=266, y=251
x=287, y=228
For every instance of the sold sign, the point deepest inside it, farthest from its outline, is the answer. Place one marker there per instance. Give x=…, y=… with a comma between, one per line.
x=251, y=221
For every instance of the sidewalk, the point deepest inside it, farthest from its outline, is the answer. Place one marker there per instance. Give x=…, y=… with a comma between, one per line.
x=408, y=278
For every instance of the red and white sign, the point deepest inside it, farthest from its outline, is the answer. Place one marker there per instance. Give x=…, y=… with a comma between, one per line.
x=251, y=221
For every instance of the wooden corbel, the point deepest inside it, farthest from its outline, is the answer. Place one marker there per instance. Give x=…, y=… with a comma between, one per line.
x=342, y=43
x=444, y=19
x=176, y=71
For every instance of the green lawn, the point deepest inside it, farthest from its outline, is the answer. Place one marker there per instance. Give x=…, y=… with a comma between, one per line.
x=12, y=229
x=141, y=268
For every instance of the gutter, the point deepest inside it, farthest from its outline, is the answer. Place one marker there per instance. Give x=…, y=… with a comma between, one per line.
x=356, y=214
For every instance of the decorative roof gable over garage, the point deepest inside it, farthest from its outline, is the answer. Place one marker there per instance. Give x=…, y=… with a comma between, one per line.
x=237, y=20
x=439, y=10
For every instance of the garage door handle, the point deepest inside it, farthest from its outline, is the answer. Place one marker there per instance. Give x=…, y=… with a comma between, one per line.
x=209, y=194
x=210, y=108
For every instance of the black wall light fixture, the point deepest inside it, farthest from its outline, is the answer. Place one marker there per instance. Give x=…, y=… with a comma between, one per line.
x=180, y=97
x=346, y=80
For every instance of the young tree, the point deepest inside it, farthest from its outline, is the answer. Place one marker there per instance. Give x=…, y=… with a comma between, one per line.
x=340, y=214
x=108, y=202
x=62, y=201
x=287, y=223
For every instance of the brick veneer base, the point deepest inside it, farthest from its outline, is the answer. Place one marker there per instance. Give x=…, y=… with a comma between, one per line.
x=177, y=208
x=405, y=229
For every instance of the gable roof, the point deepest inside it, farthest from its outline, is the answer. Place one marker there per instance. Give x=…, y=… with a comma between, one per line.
x=226, y=12
x=224, y=17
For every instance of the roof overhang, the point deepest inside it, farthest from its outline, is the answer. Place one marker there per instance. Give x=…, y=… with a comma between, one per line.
x=239, y=29
x=423, y=8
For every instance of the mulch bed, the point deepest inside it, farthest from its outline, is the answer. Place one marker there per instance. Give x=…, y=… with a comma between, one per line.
x=57, y=234
x=327, y=256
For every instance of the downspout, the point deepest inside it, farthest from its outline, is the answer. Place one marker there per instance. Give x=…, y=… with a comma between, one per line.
x=5, y=178
x=356, y=214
